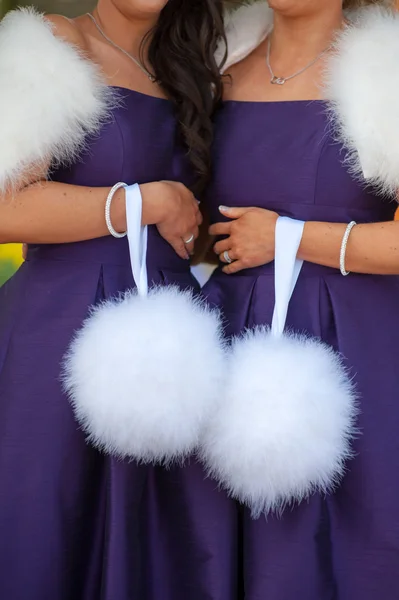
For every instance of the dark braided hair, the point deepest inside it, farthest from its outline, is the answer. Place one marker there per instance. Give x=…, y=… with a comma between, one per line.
x=359, y=3
x=181, y=52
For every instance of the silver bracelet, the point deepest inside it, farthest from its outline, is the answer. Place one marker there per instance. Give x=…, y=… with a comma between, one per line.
x=108, y=204
x=344, y=244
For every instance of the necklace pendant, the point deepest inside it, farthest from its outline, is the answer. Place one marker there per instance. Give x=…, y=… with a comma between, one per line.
x=277, y=80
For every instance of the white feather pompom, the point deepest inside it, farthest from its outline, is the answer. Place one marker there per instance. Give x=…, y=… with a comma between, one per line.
x=284, y=427
x=143, y=374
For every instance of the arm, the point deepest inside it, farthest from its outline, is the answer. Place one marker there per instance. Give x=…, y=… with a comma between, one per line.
x=372, y=248
x=49, y=213
x=56, y=213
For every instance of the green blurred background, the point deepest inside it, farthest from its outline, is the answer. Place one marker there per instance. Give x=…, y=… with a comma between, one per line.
x=11, y=255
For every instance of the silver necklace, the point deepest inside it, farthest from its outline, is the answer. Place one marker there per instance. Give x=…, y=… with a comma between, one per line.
x=138, y=63
x=282, y=80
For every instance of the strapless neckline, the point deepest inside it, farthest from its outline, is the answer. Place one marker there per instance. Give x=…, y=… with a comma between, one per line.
x=252, y=103
x=139, y=94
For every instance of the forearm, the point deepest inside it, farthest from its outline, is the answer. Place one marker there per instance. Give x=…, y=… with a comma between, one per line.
x=372, y=248
x=49, y=212
x=57, y=213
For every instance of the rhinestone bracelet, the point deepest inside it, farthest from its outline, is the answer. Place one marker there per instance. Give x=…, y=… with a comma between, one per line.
x=344, y=244
x=108, y=204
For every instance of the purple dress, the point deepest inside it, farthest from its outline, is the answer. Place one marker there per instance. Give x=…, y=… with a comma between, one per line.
x=73, y=521
x=281, y=156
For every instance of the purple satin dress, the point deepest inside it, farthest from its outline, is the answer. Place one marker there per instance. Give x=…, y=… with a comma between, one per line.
x=281, y=156
x=73, y=522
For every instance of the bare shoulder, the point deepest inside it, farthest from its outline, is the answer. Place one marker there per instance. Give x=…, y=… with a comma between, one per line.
x=68, y=30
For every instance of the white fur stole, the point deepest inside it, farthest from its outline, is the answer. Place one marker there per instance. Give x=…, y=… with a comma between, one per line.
x=245, y=28
x=51, y=97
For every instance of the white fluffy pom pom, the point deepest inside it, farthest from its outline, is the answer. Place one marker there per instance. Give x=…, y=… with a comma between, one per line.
x=143, y=374
x=284, y=427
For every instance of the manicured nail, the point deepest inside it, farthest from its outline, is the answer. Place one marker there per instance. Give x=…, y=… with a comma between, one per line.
x=224, y=208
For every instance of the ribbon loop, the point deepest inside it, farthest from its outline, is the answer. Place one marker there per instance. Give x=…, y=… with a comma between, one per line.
x=137, y=236
x=287, y=268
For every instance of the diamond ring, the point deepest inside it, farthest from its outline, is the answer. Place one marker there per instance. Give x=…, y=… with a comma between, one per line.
x=226, y=257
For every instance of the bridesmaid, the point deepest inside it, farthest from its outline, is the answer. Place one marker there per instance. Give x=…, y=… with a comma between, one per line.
x=72, y=520
x=276, y=155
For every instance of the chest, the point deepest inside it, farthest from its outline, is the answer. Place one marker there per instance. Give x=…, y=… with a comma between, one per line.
x=139, y=143
x=250, y=80
x=282, y=156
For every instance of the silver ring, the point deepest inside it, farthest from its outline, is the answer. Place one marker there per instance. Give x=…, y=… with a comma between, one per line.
x=190, y=239
x=226, y=257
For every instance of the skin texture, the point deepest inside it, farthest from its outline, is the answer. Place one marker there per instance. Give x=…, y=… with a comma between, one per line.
x=49, y=212
x=302, y=30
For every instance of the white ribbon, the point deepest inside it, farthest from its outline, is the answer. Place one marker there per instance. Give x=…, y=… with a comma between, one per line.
x=137, y=236
x=287, y=268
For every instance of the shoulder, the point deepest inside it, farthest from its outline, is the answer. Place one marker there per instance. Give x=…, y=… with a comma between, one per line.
x=67, y=30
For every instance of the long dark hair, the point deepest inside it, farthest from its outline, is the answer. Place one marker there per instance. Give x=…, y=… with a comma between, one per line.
x=359, y=3
x=181, y=52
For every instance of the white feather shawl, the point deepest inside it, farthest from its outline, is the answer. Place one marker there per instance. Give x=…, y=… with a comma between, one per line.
x=51, y=97
x=362, y=84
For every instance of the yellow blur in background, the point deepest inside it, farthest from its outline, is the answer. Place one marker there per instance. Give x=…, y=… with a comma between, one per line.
x=10, y=260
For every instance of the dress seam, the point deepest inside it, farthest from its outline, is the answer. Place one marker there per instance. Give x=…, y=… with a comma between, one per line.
x=316, y=179
x=123, y=148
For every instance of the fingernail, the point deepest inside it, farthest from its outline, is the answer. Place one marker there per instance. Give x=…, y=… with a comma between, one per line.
x=224, y=208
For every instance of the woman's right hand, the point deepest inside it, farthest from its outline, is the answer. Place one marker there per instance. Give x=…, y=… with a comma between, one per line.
x=174, y=210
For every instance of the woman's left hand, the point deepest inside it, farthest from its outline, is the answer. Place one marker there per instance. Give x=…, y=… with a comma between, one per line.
x=250, y=241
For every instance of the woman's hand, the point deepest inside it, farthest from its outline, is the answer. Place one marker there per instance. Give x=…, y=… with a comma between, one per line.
x=174, y=210
x=250, y=237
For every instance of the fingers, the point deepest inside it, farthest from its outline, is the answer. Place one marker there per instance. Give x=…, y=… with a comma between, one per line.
x=235, y=266
x=234, y=212
x=220, y=229
x=24, y=251
x=180, y=228
x=180, y=248
x=189, y=239
x=223, y=245
x=227, y=256
x=189, y=245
